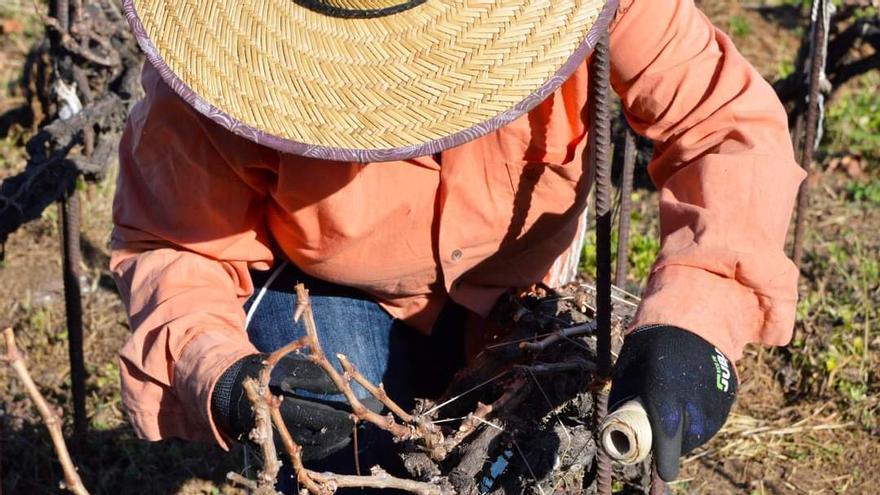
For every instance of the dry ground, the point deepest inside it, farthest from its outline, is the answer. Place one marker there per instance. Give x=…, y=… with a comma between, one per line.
x=806, y=421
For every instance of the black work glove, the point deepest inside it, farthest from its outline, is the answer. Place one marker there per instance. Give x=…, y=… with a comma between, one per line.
x=686, y=385
x=316, y=426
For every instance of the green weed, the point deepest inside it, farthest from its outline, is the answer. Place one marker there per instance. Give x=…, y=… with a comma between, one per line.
x=868, y=12
x=681, y=487
x=868, y=192
x=833, y=353
x=50, y=215
x=785, y=68
x=40, y=321
x=739, y=26
x=641, y=252
x=853, y=121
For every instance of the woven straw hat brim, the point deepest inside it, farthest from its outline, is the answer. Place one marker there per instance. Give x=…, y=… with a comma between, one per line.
x=393, y=87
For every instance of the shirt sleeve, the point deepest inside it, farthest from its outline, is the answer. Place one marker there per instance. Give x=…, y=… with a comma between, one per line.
x=726, y=173
x=187, y=227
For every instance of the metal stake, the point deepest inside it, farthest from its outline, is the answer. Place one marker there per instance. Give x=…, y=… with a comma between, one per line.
x=69, y=223
x=69, y=227
x=630, y=153
x=818, y=51
x=600, y=153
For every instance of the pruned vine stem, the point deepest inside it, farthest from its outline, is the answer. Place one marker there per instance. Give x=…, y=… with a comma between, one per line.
x=267, y=411
x=51, y=419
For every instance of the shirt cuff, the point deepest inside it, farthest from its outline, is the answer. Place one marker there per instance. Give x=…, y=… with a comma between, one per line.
x=724, y=312
x=197, y=370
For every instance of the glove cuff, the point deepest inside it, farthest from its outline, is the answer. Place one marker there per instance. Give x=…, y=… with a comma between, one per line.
x=228, y=393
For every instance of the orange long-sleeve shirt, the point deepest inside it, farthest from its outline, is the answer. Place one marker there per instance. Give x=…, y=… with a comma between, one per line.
x=197, y=207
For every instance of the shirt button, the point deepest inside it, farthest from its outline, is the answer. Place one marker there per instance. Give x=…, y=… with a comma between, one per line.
x=456, y=255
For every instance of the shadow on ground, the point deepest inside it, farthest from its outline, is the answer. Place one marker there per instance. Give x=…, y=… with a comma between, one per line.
x=112, y=461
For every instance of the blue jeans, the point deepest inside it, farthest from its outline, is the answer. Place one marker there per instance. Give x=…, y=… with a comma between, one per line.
x=383, y=349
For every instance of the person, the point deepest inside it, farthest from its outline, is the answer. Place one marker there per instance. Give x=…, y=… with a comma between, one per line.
x=410, y=161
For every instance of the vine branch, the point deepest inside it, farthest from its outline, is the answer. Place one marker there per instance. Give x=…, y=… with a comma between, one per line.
x=51, y=419
x=267, y=411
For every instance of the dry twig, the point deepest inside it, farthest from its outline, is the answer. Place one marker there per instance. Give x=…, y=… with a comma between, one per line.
x=513, y=394
x=237, y=479
x=343, y=383
x=72, y=482
x=294, y=451
x=377, y=392
x=539, y=346
x=262, y=436
x=378, y=479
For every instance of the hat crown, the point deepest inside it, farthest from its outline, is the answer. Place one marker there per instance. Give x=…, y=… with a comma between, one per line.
x=359, y=8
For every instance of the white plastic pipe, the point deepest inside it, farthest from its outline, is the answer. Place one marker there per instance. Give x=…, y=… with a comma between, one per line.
x=626, y=433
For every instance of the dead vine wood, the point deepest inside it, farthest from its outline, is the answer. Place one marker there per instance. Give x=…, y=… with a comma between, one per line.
x=267, y=405
x=520, y=417
x=97, y=55
x=51, y=418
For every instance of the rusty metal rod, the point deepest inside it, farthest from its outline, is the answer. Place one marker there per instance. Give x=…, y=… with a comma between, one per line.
x=819, y=43
x=600, y=153
x=630, y=154
x=69, y=228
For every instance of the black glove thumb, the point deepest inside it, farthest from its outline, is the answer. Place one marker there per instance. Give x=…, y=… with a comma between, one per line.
x=686, y=385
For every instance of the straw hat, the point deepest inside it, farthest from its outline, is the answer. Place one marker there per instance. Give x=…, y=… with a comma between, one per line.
x=366, y=80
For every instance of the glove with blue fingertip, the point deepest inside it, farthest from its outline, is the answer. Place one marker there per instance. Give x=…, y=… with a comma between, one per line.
x=687, y=387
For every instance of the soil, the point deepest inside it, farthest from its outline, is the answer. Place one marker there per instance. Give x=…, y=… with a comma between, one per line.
x=789, y=433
